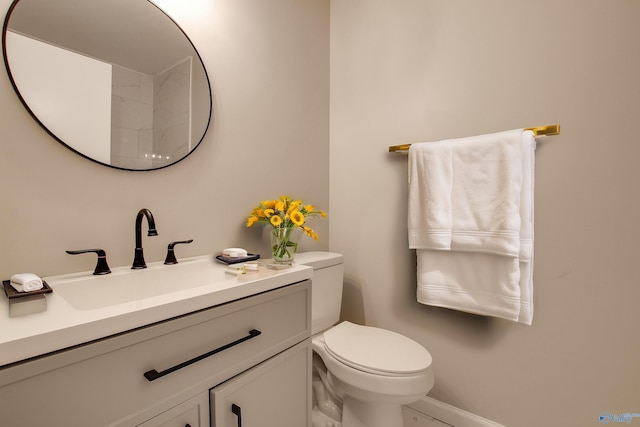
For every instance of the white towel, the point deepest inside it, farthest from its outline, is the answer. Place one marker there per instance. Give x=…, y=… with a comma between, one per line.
x=430, y=182
x=474, y=244
x=464, y=194
x=477, y=283
x=26, y=282
x=527, y=228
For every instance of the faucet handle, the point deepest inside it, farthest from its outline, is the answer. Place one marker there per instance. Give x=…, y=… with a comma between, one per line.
x=171, y=256
x=101, y=266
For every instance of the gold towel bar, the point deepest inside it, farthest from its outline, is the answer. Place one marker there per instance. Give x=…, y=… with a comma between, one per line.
x=537, y=131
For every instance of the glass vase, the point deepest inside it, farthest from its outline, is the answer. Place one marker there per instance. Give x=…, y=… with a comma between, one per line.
x=284, y=244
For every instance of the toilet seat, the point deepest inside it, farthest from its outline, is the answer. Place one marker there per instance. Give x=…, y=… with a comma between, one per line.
x=376, y=351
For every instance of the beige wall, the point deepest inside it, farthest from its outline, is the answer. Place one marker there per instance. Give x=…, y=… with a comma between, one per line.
x=402, y=71
x=268, y=65
x=420, y=70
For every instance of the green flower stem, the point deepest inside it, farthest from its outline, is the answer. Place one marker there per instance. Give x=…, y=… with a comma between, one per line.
x=282, y=244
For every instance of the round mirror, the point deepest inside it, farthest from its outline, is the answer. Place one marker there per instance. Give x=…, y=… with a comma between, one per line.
x=116, y=81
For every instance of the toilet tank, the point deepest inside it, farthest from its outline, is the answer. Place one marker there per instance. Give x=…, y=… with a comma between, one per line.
x=326, y=287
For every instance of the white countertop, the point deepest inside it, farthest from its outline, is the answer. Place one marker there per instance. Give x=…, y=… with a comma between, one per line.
x=62, y=325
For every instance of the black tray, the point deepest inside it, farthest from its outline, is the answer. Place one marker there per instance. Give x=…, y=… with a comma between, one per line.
x=13, y=294
x=229, y=260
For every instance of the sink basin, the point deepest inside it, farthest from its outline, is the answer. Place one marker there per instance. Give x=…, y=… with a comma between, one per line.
x=123, y=285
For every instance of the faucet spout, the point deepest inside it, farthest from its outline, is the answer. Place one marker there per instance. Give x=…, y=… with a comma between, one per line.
x=138, y=260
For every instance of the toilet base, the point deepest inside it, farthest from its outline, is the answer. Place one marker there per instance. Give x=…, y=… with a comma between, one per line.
x=320, y=419
x=356, y=413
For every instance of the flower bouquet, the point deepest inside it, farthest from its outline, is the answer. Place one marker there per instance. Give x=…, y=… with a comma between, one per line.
x=288, y=217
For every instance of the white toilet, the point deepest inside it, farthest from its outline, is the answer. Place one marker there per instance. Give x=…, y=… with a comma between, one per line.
x=362, y=375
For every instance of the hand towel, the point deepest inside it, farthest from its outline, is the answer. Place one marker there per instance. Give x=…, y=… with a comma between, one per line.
x=464, y=194
x=26, y=282
x=487, y=264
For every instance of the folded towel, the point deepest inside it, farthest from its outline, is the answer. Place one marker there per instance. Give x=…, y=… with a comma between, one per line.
x=526, y=196
x=526, y=228
x=430, y=182
x=26, y=282
x=475, y=248
x=464, y=194
x=477, y=283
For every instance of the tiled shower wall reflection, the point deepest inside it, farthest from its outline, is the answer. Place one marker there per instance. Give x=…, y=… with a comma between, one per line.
x=150, y=116
x=171, y=113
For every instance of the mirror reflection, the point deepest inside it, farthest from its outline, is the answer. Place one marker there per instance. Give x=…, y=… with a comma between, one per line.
x=116, y=81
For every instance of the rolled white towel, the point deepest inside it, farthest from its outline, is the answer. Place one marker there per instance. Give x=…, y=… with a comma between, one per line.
x=26, y=282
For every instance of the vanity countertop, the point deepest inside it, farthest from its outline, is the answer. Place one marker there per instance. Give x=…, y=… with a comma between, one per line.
x=63, y=325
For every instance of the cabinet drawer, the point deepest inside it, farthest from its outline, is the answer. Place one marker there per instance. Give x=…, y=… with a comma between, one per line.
x=111, y=387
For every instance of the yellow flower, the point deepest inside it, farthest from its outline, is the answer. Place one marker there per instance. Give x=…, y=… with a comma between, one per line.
x=309, y=232
x=275, y=220
x=297, y=218
x=294, y=206
x=285, y=212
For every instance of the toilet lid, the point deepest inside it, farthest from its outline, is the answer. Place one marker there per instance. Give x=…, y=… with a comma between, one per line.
x=376, y=350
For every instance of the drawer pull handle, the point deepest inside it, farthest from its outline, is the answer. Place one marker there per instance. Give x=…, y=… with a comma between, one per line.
x=154, y=375
x=236, y=410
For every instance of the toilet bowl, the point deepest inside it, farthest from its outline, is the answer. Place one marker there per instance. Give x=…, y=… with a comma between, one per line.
x=374, y=372
x=362, y=375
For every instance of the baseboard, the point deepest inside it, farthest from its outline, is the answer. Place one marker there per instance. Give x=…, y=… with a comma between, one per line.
x=450, y=414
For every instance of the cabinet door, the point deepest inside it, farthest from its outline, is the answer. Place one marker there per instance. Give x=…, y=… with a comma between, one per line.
x=192, y=413
x=275, y=393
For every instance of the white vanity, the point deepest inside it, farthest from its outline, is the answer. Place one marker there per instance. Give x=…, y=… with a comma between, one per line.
x=220, y=350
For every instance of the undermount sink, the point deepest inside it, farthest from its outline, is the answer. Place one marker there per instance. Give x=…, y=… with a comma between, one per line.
x=123, y=285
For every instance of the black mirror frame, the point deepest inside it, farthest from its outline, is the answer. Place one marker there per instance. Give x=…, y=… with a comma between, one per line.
x=5, y=26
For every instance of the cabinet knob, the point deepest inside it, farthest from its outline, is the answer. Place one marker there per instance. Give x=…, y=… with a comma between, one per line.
x=236, y=410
